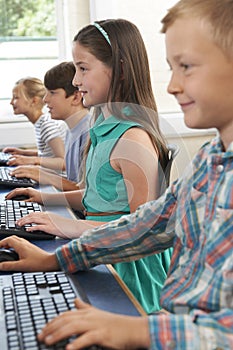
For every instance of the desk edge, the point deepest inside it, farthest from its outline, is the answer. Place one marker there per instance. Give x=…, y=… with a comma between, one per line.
x=126, y=290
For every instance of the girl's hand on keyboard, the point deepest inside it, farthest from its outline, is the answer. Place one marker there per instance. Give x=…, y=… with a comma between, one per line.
x=29, y=192
x=31, y=257
x=97, y=327
x=13, y=150
x=51, y=223
x=57, y=225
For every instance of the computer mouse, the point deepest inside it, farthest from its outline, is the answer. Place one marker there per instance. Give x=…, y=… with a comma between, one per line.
x=8, y=254
x=19, y=197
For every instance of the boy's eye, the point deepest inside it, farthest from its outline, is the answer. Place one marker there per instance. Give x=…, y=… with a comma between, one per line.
x=184, y=66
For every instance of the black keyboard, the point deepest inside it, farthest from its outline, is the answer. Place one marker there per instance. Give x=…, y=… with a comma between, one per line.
x=4, y=157
x=11, y=181
x=28, y=301
x=10, y=211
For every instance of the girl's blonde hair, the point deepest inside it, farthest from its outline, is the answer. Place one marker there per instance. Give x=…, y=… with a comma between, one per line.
x=32, y=87
x=216, y=13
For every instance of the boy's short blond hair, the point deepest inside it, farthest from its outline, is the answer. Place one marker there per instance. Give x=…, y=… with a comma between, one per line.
x=217, y=13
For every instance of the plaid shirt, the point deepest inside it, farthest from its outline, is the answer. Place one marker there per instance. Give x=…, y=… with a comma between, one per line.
x=195, y=215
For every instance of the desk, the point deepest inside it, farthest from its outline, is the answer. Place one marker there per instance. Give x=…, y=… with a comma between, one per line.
x=103, y=286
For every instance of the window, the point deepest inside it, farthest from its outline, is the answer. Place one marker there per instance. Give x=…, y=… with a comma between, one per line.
x=28, y=43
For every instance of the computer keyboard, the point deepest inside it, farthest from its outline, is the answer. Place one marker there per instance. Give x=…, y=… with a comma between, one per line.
x=11, y=181
x=28, y=301
x=4, y=157
x=10, y=211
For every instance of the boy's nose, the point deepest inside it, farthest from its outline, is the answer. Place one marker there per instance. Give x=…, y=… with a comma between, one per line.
x=45, y=98
x=174, y=85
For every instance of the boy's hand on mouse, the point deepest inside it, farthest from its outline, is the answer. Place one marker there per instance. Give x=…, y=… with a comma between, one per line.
x=97, y=327
x=31, y=258
x=32, y=194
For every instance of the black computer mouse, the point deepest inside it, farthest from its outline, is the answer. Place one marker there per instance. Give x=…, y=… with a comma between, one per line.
x=19, y=197
x=8, y=254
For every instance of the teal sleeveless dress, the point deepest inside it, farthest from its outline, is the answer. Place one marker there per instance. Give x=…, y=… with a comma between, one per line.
x=106, y=192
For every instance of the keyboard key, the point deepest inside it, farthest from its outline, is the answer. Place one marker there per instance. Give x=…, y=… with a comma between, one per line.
x=11, y=211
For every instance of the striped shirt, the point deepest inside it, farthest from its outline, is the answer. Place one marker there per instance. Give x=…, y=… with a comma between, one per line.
x=195, y=215
x=46, y=129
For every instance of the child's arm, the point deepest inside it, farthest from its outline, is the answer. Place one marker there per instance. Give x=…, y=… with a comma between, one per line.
x=56, y=162
x=60, y=198
x=136, y=158
x=31, y=158
x=44, y=177
x=20, y=151
x=31, y=257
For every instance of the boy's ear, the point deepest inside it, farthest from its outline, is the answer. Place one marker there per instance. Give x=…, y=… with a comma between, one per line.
x=77, y=97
